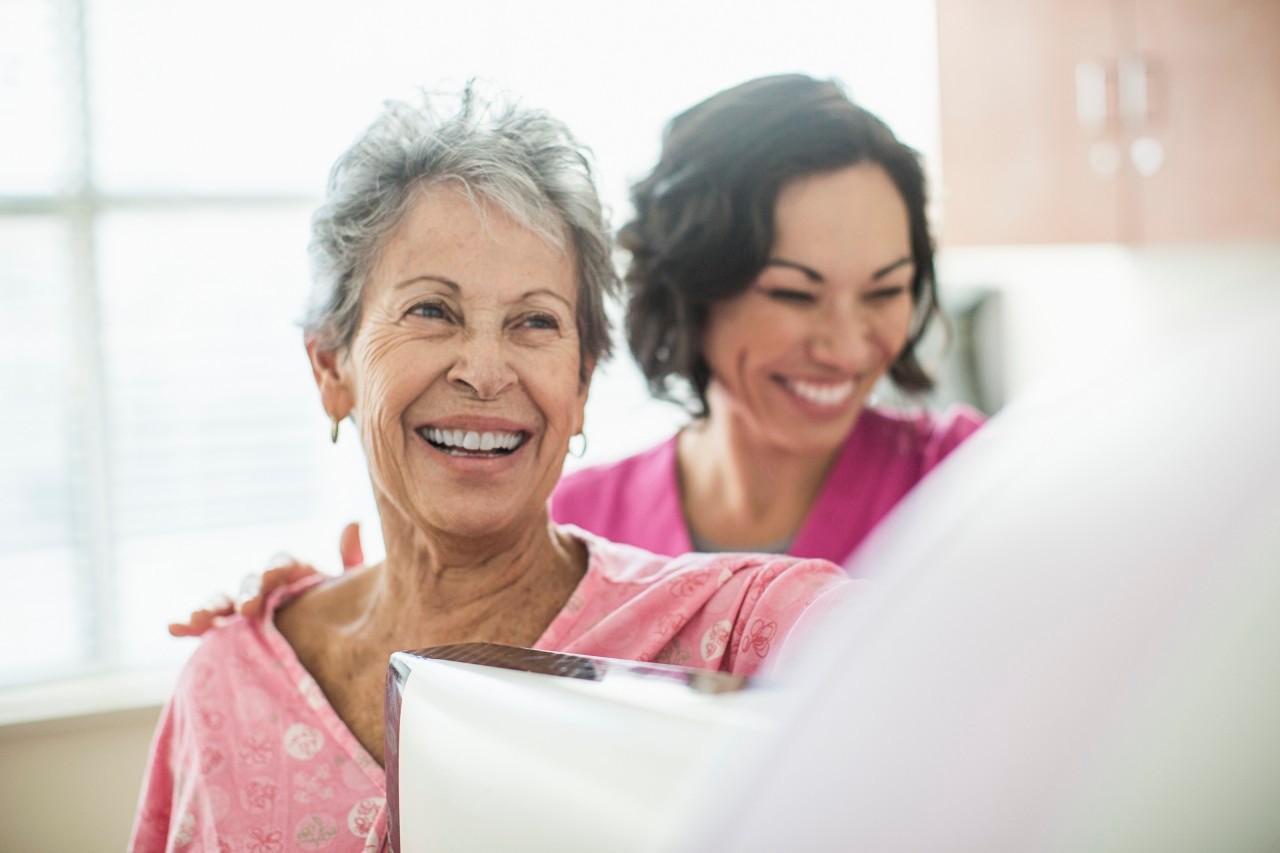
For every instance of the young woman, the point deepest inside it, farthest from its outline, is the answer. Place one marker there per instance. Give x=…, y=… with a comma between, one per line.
x=781, y=266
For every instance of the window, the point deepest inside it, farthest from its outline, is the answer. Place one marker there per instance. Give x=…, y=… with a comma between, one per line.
x=162, y=435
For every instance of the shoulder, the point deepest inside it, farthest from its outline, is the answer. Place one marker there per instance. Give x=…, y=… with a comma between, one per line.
x=957, y=420
x=945, y=432
x=957, y=423
x=617, y=562
x=635, y=500
x=240, y=650
x=711, y=611
x=243, y=718
x=932, y=435
x=230, y=637
x=620, y=564
x=743, y=609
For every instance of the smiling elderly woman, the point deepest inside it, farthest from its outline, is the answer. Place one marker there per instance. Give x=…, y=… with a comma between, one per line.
x=461, y=267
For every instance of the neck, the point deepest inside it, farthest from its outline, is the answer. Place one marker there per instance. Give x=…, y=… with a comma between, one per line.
x=433, y=584
x=432, y=590
x=738, y=488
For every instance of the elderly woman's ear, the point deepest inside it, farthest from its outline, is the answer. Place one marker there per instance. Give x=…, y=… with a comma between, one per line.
x=331, y=373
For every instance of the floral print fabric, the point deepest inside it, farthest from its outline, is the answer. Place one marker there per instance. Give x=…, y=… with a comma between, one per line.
x=250, y=757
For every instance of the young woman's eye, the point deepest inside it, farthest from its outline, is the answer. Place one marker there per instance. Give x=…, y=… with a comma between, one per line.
x=786, y=294
x=431, y=310
x=887, y=294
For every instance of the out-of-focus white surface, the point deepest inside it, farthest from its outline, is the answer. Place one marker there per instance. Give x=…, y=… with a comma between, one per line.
x=1075, y=639
x=497, y=760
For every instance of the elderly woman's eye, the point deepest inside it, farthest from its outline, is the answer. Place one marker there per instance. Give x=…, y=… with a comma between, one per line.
x=429, y=310
x=541, y=321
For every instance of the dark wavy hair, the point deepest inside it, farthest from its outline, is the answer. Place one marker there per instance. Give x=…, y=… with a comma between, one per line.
x=703, y=226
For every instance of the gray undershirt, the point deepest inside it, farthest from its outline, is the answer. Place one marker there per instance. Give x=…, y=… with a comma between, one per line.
x=706, y=546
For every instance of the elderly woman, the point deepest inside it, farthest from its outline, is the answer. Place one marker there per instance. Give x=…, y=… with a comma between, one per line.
x=461, y=265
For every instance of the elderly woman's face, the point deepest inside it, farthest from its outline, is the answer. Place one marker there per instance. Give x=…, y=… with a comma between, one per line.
x=464, y=372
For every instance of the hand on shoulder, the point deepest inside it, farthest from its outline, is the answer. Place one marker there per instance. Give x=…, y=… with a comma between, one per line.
x=283, y=570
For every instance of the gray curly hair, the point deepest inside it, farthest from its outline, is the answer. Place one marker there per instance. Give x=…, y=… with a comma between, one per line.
x=523, y=161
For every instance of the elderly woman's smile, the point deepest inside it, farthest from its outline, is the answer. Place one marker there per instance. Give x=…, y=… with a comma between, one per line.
x=476, y=445
x=460, y=442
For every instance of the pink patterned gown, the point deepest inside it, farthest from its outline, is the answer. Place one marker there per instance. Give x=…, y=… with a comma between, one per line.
x=250, y=757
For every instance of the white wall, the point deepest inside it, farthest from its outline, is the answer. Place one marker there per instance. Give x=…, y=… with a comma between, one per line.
x=1067, y=307
x=70, y=786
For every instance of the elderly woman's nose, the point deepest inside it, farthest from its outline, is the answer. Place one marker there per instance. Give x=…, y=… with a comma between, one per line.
x=482, y=367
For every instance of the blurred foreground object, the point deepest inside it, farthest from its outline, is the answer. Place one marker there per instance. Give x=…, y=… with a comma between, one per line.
x=495, y=748
x=1075, y=641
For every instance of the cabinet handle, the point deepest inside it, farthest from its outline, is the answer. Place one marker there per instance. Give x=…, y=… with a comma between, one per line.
x=1134, y=91
x=1092, y=110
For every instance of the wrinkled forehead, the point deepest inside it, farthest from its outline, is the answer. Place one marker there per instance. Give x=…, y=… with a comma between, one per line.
x=448, y=234
x=527, y=208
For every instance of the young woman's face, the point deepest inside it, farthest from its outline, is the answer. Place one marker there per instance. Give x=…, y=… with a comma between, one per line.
x=464, y=374
x=795, y=356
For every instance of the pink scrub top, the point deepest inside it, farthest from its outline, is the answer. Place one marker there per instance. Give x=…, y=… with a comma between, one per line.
x=637, y=500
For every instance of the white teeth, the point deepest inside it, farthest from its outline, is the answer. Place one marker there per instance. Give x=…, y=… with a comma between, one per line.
x=822, y=395
x=472, y=440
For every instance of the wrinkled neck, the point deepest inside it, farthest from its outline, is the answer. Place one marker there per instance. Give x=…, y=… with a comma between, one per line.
x=465, y=585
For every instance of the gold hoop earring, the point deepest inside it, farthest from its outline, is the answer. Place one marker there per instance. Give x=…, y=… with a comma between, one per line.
x=582, y=451
x=333, y=428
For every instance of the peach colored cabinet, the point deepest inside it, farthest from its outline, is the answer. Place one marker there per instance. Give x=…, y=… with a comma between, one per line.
x=1133, y=121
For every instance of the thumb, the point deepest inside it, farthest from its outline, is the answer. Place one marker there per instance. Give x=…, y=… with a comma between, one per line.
x=349, y=547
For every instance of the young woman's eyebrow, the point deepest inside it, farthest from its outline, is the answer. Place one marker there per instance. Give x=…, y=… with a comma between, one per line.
x=809, y=272
x=885, y=270
x=816, y=277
